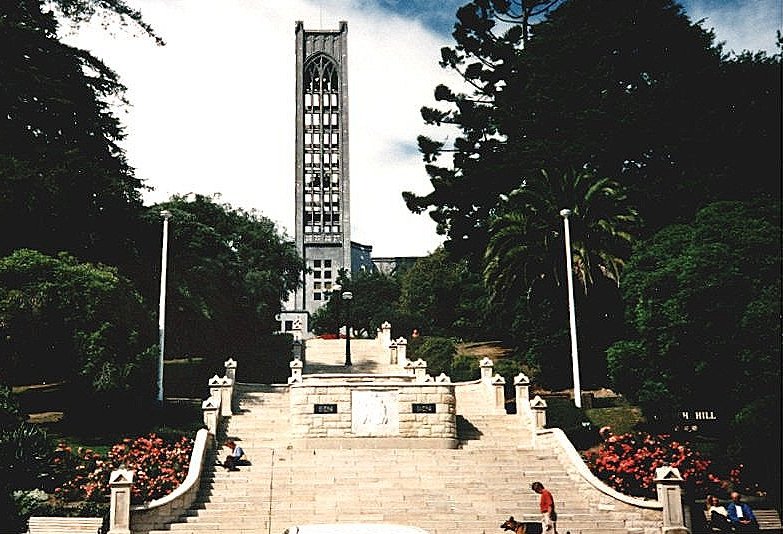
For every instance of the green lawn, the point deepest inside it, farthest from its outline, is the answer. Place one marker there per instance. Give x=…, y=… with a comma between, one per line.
x=621, y=419
x=47, y=405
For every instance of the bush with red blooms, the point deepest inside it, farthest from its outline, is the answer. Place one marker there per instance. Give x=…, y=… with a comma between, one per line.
x=159, y=466
x=627, y=463
x=331, y=336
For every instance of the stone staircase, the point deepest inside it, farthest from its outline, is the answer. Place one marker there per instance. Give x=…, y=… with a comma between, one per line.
x=471, y=489
x=467, y=490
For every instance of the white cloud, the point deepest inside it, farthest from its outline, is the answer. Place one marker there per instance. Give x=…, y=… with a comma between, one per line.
x=213, y=110
x=740, y=24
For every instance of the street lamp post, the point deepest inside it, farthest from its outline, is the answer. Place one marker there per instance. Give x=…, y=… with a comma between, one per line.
x=162, y=304
x=347, y=296
x=571, y=309
x=336, y=297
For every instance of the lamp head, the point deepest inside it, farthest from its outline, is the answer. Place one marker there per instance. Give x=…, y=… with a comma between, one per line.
x=165, y=214
x=347, y=295
x=565, y=213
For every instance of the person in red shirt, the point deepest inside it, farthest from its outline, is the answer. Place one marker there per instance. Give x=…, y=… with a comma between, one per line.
x=547, y=507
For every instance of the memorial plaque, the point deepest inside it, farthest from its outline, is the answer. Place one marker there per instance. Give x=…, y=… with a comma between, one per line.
x=423, y=407
x=325, y=408
x=375, y=413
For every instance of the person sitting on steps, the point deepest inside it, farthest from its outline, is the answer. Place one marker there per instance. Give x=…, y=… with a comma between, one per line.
x=740, y=515
x=235, y=456
x=718, y=520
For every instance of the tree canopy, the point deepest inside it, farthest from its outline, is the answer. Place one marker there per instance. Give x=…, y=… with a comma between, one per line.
x=598, y=85
x=704, y=322
x=63, y=320
x=229, y=271
x=64, y=181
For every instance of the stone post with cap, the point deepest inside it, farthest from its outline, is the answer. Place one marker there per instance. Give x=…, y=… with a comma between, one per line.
x=120, y=482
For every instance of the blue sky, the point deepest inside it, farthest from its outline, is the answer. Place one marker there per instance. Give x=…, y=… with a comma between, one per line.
x=741, y=23
x=212, y=111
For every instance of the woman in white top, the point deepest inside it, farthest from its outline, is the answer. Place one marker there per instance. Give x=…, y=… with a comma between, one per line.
x=719, y=516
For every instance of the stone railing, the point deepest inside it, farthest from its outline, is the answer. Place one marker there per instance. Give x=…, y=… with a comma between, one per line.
x=154, y=515
x=664, y=515
x=483, y=396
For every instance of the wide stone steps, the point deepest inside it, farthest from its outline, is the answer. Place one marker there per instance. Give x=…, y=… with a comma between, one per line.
x=445, y=491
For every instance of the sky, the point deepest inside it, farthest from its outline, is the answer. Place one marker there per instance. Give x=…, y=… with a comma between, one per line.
x=212, y=111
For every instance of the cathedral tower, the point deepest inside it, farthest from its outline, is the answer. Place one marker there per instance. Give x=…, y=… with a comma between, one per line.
x=322, y=194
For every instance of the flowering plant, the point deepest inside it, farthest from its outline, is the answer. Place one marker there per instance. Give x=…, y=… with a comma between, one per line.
x=159, y=466
x=627, y=463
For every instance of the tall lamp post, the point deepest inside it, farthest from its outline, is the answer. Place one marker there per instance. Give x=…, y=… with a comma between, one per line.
x=347, y=296
x=166, y=214
x=571, y=309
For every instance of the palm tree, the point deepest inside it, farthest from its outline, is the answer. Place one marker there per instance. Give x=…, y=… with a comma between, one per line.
x=526, y=240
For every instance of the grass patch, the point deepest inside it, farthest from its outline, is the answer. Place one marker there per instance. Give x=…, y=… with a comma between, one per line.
x=100, y=431
x=621, y=419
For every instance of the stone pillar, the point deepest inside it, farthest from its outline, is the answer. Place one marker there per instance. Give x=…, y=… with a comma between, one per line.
x=409, y=368
x=486, y=370
x=522, y=386
x=538, y=406
x=384, y=334
x=402, y=351
x=499, y=383
x=668, y=484
x=222, y=387
x=419, y=370
x=120, y=482
x=211, y=409
x=231, y=369
x=296, y=350
x=296, y=371
x=393, y=353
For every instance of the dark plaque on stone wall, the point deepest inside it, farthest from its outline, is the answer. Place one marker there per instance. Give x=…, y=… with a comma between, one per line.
x=325, y=408
x=423, y=408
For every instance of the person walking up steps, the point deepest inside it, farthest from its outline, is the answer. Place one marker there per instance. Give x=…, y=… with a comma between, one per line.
x=547, y=507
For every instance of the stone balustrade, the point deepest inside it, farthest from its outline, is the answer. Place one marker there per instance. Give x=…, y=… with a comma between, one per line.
x=127, y=519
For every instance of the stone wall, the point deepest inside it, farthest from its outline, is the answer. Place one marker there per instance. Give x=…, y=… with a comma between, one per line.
x=345, y=410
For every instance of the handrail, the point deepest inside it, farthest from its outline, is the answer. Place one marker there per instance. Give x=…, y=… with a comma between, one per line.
x=576, y=460
x=192, y=479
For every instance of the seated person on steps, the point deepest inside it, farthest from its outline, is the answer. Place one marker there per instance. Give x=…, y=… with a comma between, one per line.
x=235, y=456
x=718, y=516
x=740, y=515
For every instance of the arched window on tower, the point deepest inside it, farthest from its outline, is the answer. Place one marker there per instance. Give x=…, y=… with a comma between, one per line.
x=321, y=133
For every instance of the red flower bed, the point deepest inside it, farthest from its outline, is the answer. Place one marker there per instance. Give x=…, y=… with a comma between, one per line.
x=159, y=467
x=627, y=463
x=331, y=336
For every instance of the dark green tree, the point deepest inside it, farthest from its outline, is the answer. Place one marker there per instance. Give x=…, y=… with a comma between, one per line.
x=705, y=325
x=598, y=84
x=525, y=268
x=526, y=243
x=64, y=180
x=444, y=297
x=62, y=320
x=229, y=271
x=375, y=301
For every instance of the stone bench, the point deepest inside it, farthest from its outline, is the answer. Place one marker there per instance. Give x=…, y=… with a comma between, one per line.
x=63, y=525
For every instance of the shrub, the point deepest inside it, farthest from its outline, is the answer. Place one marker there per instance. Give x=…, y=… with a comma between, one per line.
x=627, y=463
x=159, y=466
x=464, y=368
x=438, y=352
x=563, y=414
